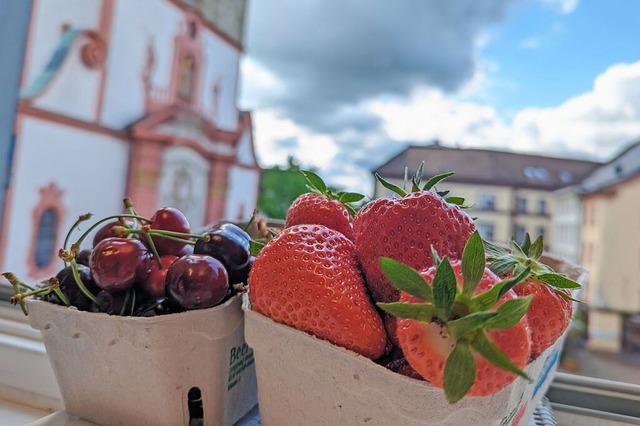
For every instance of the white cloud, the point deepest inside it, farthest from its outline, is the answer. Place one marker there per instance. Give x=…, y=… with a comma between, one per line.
x=531, y=43
x=564, y=6
x=593, y=124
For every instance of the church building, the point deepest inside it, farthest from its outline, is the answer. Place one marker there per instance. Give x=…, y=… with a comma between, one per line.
x=122, y=98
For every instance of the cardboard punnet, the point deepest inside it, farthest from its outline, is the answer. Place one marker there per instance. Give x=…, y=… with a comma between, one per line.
x=119, y=370
x=306, y=380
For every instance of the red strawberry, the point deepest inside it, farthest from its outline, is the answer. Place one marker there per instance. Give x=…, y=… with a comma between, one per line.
x=459, y=326
x=308, y=277
x=323, y=207
x=548, y=315
x=551, y=309
x=405, y=229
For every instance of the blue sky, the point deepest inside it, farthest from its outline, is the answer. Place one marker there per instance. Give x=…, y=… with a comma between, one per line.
x=546, y=57
x=345, y=86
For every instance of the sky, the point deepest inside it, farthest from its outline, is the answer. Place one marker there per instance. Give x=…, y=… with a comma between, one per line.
x=344, y=86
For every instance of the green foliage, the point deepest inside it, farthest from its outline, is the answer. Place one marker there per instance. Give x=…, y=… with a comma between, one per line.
x=279, y=187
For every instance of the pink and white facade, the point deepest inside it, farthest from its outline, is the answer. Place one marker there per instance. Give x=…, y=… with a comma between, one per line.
x=124, y=98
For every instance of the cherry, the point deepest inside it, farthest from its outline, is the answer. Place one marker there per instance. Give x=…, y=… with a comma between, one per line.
x=117, y=263
x=161, y=306
x=169, y=219
x=197, y=281
x=228, y=243
x=71, y=290
x=106, y=231
x=82, y=258
x=241, y=275
x=154, y=284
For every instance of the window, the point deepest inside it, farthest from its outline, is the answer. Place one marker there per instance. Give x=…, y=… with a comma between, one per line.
x=486, y=230
x=541, y=208
x=540, y=231
x=519, y=233
x=486, y=202
x=521, y=205
x=187, y=72
x=46, y=238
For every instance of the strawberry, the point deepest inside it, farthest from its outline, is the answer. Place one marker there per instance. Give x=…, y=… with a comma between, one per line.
x=551, y=309
x=323, y=207
x=405, y=229
x=308, y=277
x=459, y=326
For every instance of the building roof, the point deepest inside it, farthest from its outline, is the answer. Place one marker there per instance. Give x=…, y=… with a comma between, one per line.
x=622, y=167
x=489, y=167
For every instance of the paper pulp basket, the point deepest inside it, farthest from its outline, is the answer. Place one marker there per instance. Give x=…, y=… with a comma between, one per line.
x=164, y=370
x=303, y=380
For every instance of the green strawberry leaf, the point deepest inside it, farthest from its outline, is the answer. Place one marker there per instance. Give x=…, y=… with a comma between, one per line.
x=418, y=311
x=315, y=181
x=351, y=210
x=349, y=197
x=436, y=257
x=486, y=300
x=517, y=252
x=469, y=323
x=406, y=279
x=488, y=350
x=526, y=244
x=458, y=201
x=435, y=179
x=536, y=249
x=390, y=186
x=459, y=372
x=558, y=281
x=443, y=194
x=509, y=313
x=493, y=249
x=566, y=296
x=473, y=263
x=255, y=247
x=417, y=178
x=503, y=265
x=444, y=289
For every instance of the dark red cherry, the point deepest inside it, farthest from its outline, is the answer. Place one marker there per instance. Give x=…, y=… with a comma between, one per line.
x=71, y=290
x=169, y=219
x=117, y=263
x=240, y=275
x=228, y=243
x=106, y=231
x=154, y=284
x=197, y=281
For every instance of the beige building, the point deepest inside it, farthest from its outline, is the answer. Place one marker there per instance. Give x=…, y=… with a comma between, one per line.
x=611, y=252
x=510, y=194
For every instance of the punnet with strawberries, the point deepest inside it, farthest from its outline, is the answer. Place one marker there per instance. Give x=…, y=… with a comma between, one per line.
x=412, y=319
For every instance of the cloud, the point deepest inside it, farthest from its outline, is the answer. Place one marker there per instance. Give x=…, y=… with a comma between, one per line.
x=531, y=43
x=564, y=6
x=328, y=53
x=344, y=86
x=595, y=123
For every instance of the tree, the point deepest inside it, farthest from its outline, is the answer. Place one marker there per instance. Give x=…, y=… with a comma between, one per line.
x=279, y=187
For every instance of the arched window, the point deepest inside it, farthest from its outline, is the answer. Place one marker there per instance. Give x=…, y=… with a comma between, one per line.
x=187, y=73
x=46, y=234
x=46, y=224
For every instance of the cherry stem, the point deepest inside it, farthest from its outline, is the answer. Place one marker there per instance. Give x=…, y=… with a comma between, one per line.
x=75, y=247
x=54, y=284
x=128, y=204
x=19, y=297
x=81, y=286
x=81, y=218
x=169, y=235
x=251, y=220
x=15, y=281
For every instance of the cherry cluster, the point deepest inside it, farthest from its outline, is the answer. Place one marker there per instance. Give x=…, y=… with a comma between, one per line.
x=147, y=267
